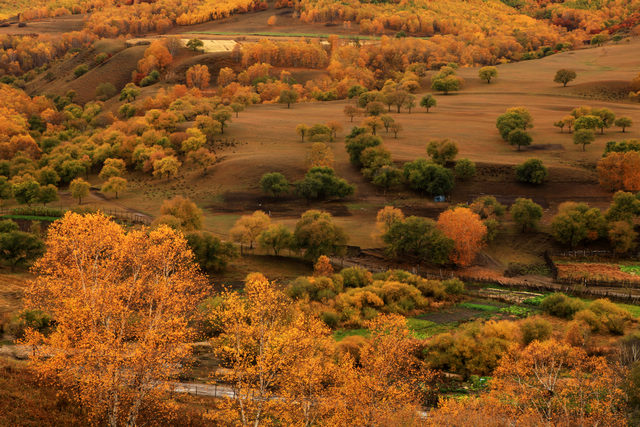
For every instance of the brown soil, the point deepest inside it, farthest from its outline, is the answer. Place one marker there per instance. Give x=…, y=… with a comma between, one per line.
x=116, y=70
x=49, y=26
x=256, y=22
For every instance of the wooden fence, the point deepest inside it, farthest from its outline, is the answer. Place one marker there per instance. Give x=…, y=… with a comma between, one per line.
x=119, y=214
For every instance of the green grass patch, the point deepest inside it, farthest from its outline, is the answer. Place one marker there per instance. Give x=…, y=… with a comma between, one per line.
x=423, y=329
x=535, y=301
x=631, y=269
x=31, y=217
x=516, y=310
x=479, y=307
x=633, y=309
x=341, y=334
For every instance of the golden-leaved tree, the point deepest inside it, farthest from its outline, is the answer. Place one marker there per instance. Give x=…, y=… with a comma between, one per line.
x=121, y=303
x=283, y=365
x=279, y=359
x=545, y=383
x=389, y=386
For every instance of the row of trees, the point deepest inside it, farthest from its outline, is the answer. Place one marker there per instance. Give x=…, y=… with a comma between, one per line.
x=315, y=234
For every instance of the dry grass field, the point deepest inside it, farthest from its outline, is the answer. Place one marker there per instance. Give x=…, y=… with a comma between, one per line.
x=263, y=139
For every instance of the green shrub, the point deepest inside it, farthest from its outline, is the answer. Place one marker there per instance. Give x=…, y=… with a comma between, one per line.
x=8, y=225
x=612, y=317
x=38, y=211
x=532, y=172
x=330, y=318
x=560, y=305
x=80, y=70
x=152, y=78
x=105, y=91
x=535, y=329
x=356, y=277
x=100, y=58
x=454, y=286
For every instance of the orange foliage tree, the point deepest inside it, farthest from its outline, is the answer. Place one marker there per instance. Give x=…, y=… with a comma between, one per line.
x=620, y=171
x=121, y=303
x=198, y=76
x=467, y=231
x=546, y=383
x=279, y=359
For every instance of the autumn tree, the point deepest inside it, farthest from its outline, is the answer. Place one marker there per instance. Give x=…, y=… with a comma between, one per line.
x=374, y=108
x=198, y=76
x=442, y=151
x=428, y=102
x=620, y=171
x=386, y=217
x=6, y=190
x=79, y=189
x=465, y=169
x=317, y=234
x=386, y=177
x=25, y=189
x=514, y=118
x=226, y=76
x=288, y=96
x=526, y=213
x=427, y=177
x=334, y=127
x=279, y=359
x=195, y=45
x=532, y=171
x=129, y=93
x=19, y=249
x=538, y=385
x=48, y=193
x=121, y=302
x=248, y=227
x=203, y=158
x=576, y=223
x=564, y=76
x=181, y=211
x=395, y=128
x=488, y=73
x=519, y=138
x=389, y=385
x=211, y=254
x=583, y=137
x=622, y=236
x=115, y=184
x=274, y=184
x=237, y=108
x=446, y=81
x=111, y=168
x=322, y=183
x=276, y=238
x=419, y=238
x=351, y=111
x=623, y=123
x=544, y=377
x=320, y=155
x=302, y=130
x=323, y=267
x=166, y=167
x=624, y=207
x=467, y=231
x=222, y=115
